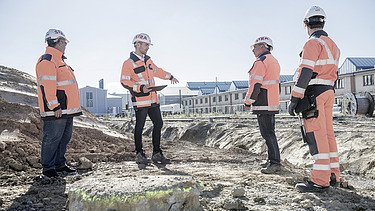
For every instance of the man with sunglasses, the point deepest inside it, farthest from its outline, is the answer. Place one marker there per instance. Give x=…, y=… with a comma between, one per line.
x=263, y=96
x=58, y=100
x=137, y=76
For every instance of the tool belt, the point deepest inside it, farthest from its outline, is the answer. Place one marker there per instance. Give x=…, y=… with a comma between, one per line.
x=307, y=105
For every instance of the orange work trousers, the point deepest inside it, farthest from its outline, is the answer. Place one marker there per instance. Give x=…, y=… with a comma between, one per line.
x=322, y=142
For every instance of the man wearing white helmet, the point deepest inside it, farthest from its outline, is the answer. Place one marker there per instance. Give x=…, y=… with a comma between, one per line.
x=137, y=76
x=313, y=96
x=263, y=96
x=58, y=99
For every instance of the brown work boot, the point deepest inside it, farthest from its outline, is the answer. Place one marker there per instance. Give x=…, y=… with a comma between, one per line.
x=159, y=158
x=272, y=168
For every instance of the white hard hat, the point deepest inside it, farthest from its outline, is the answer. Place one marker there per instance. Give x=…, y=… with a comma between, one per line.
x=265, y=40
x=54, y=34
x=314, y=11
x=142, y=37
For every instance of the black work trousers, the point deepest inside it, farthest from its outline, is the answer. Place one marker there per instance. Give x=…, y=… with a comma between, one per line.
x=267, y=130
x=141, y=114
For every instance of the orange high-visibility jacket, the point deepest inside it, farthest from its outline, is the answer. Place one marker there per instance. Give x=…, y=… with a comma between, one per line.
x=263, y=93
x=319, y=65
x=57, y=86
x=137, y=73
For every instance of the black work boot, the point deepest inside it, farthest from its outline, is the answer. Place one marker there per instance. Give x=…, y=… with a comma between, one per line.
x=333, y=181
x=66, y=170
x=271, y=168
x=50, y=173
x=159, y=158
x=140, y=158
x=310, y=187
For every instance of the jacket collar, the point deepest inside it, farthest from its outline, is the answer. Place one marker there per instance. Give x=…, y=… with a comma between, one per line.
x=319, y=33
x=263, y=54
x=55, y=53
x=135, y=57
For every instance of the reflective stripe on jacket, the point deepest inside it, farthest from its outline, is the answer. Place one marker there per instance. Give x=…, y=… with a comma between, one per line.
x=136, y=73
x=263, y=93
x=319, y=64
x=57, y=86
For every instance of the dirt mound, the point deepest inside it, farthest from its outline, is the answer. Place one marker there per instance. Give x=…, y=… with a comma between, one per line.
x=17, y=80
x=21, y=129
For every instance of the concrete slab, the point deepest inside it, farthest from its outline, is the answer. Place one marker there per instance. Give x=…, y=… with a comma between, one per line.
x=135, y=190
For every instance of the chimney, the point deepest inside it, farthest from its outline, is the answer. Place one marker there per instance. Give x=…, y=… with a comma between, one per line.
x=101, y=83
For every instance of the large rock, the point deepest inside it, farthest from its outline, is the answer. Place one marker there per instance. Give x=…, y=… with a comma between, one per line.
x=85, y=164
x=137, y=190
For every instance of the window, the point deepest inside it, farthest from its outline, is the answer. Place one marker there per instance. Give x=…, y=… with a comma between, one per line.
x=214, y=99
x=243, y=95
x=201, y=100
x=206, y=101
x=339, y=84
x=226, y=97
x=89, y=100
x=196, y=101
x=288, y=90
x=220, y=98
x=189, y=102
x=368, y=80
x=236, y=96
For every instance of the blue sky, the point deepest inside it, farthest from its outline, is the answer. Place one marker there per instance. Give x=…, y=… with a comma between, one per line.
x=194, y=40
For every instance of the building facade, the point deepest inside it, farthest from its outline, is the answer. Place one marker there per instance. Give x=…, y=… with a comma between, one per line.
x=94, y=100
x=356, y=75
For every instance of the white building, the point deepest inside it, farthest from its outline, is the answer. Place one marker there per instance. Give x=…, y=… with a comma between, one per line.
x=356, y=75
x=114, y=105
x=94, y=100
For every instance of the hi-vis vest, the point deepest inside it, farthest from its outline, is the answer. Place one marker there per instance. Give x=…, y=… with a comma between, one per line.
x=57, y=86
x=263, y=93
x=136, y=74
x=319, y=64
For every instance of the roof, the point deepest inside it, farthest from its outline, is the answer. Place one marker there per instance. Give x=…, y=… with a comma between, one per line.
x=113, y=96
x=175, y=91
x=199, y=85
x=92, y=88
x=286, y=78
x=241, y=84
x=245, y=84
x=362, y=62
x=223, y=87
x=207, y=91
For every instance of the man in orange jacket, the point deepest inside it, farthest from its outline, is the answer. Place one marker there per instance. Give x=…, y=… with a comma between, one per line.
x=317, y=74
x=263, y=96
x=58, y=100
x=137, y=76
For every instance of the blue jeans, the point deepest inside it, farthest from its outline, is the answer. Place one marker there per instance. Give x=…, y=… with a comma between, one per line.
x=267, y=130
x=56, y=136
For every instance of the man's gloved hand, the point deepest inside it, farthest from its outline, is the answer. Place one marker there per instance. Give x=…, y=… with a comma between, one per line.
x=291, y=108
x=247, y=106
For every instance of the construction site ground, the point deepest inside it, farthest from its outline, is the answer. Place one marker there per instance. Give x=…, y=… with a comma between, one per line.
x=221, y=153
